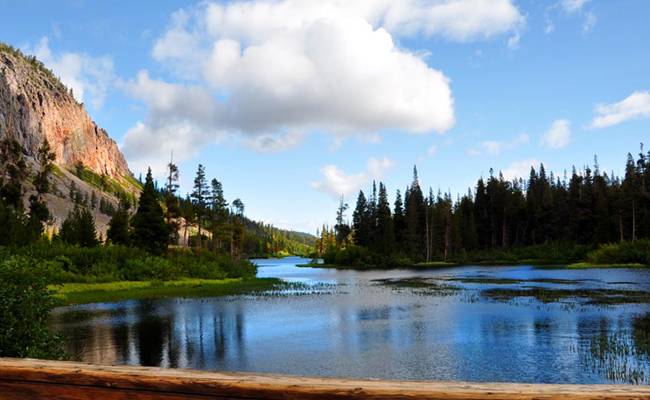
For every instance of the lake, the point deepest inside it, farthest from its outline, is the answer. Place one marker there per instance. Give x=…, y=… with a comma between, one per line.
x=473, y=323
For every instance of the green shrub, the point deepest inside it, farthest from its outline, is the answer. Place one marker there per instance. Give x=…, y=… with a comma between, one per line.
x=637, y=252
x=329, y=257
x=150, y=268
x=354, y=256
x=25, y=304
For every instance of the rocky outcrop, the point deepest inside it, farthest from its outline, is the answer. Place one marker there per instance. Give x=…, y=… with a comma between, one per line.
x=35, y=105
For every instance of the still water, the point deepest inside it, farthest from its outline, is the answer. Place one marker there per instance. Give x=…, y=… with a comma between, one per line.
x=462, y=324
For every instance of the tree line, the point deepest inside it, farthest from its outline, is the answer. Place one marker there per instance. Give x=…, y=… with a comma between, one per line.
x=587, y=207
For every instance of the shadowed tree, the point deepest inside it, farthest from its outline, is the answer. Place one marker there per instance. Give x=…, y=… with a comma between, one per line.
x=149, y=229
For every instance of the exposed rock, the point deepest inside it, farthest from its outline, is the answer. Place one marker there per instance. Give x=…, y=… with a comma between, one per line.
x=36, y=106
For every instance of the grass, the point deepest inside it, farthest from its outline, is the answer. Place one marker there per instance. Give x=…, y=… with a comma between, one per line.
x=433, y=264
x=422, y=286
x=585, y=265
x=80, y=293
x=506, y=281
x=592, y=296
x=334, y=266
x=136, y=183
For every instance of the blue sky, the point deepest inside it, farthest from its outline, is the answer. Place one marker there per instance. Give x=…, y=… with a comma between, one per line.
x=291, y=103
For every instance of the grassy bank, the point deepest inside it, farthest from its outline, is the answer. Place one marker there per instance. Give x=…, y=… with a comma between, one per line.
x=586, y=265
x=79, y=293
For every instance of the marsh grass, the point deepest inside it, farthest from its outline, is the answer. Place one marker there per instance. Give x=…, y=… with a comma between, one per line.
x=619, y=356
x=422, y=286
x=79, y=293
x=585, y=265
x=552, y=295
x=506, y=281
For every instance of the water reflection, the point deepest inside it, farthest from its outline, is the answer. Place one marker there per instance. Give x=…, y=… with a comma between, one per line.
x=373, y=330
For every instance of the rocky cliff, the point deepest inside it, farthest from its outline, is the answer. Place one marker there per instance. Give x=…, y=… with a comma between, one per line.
x=35, y=105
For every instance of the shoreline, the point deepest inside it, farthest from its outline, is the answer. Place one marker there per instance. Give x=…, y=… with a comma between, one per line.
x=87, y=293
x=442, y=264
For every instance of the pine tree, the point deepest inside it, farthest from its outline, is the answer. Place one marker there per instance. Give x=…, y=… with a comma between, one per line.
x=218, y=214
x=385, y=233
x=199, y=196
x=119, y=231
x=342, y=229
x=173, y=212
x=149, y=229
x=237, y=228
x=79, y=229
x=415, y=217
x=361, y=222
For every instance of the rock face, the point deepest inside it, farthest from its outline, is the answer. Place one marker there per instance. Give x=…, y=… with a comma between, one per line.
x=35, y=105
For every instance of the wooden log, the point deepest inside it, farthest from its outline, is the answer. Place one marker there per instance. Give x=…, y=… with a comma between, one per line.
x=36, y=379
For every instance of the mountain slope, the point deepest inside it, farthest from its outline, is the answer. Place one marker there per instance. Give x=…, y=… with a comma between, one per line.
x=34, y=105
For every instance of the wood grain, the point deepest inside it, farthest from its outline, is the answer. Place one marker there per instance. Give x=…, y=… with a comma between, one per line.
x=36, y=379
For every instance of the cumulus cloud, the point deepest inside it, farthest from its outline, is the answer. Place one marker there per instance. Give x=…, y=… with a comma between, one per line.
x=557, y=136
x=179, y=118
x=494, y=147
x=635, y=106
x=337, y=183
x=520, y=169
x=275, y=143
x=333, y=66
x=88, y=77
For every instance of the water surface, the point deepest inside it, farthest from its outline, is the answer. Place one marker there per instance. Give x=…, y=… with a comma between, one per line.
x=399, y=324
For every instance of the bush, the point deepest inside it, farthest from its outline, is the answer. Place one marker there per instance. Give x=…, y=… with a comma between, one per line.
x=354, y=256
x=114, y=263
x=150, y=268
x=200, y=263
x=25, y=303
x=637, y=252
x=329, y=257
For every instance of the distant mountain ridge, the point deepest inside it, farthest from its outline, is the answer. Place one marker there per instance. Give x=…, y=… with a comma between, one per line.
x=34, y=105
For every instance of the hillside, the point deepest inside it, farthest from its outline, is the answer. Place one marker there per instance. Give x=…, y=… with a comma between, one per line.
x=35, y=105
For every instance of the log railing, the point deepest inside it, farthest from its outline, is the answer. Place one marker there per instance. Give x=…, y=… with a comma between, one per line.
x=35, y=379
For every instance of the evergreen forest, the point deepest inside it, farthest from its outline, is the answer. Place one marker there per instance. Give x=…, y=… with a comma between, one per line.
x=544, y=218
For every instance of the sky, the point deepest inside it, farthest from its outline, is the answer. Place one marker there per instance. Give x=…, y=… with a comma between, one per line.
x=292, y=104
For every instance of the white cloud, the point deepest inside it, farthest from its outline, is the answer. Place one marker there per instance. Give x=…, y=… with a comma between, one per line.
x=337, y=183
x=179, y=118
x=432, y=150
x=494, y=147
x=300, y=66
x=550, y=27
x=572, y=6
x=88, y=77
x=590, y=21
x=520, y=169
x=557, y=136
x=635, y=106
x=513, y=42
x=275, y=143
